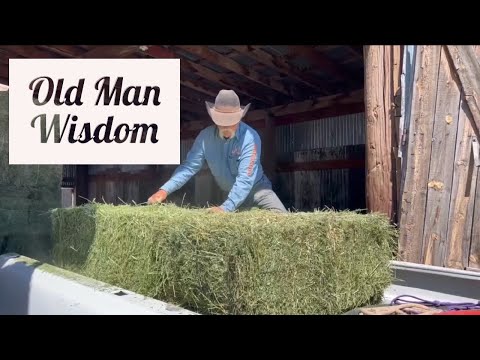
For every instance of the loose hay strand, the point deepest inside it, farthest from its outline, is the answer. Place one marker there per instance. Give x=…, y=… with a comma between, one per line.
x=252, y=262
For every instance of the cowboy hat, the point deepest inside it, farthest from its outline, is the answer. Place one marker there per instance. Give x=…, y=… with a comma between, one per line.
x=227, y=110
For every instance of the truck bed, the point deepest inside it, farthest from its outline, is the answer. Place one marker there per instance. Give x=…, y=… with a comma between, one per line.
x=28, y=287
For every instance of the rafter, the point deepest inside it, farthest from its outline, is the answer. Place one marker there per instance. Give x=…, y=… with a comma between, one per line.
x=211, y=56
x=322, y=61
x=68, y=51
x=222, y=80
x=197, y=87
x=110, y=51
x=29, y=51
x=192, y=107
x=277, y=63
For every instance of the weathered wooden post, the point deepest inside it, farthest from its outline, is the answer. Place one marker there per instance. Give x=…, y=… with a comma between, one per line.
x=382, y=85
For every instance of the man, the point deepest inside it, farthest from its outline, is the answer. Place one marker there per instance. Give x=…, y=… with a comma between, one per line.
x=232, y=151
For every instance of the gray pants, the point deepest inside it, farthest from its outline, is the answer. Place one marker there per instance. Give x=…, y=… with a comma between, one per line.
x=263, y=199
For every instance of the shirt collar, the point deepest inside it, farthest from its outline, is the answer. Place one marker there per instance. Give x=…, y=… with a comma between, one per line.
x=234, y=135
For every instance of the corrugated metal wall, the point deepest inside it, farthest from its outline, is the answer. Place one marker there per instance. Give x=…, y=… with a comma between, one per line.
x=321, y=133
x=322, y=139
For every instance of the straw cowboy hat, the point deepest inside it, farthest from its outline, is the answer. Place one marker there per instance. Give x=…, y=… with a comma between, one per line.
x=227, y=110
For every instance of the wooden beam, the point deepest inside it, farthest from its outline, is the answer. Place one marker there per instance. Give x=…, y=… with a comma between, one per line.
x=68, y=51
x=193, y=107
x=379, y=114
x=323, y=62
x=468, y=70
x=157, y=51
x=332, y=111
x=197, y=86
x=222, y=80
x=221, y=60
x=277, y=63
x=308, y=105
x=328, y=106
x=215, y=77
x=110, y=51
x=29, y=51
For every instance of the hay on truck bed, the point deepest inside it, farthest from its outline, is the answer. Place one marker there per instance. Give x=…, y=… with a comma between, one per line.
x=252, y=262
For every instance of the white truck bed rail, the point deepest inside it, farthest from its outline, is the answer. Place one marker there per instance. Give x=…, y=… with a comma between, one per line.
x=28, y=287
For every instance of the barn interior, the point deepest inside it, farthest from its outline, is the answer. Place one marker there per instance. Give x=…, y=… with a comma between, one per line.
x=307, y=104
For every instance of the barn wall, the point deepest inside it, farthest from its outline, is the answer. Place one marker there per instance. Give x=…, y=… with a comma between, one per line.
x=327, y=139
x=441, y=184
x=27, y=193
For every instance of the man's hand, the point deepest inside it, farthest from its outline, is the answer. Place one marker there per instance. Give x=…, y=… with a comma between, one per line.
x=159, y=196
x=216, y=210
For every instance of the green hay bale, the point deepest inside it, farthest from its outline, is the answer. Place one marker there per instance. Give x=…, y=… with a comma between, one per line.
x=252, y=262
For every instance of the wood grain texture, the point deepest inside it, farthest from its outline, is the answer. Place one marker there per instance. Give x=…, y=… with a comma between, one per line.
x=461, y=202
x=414, y=197
x=441, y=164
x=380, y=66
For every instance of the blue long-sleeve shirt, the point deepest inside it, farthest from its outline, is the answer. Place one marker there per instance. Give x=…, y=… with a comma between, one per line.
x=234, y=163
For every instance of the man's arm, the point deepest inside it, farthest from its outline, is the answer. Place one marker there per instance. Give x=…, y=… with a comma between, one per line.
x=191, y=165
x=247, y=172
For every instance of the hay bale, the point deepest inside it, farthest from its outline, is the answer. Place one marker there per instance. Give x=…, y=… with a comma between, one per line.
x=252, y=262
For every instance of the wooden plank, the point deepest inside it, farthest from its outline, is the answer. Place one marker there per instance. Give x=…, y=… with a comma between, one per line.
x=200, y=88
x=29, y=51
x=322, y=62
x=474, y=256
x=68, y=51
x=441, y=165
x=419, y=150
x=278, y=63
x=230, y=64
x=379, y=114
x=132, y=193
x=109, y=196
x=222, y=80
x=111, y=51
x=461, y=202
x=468, y=69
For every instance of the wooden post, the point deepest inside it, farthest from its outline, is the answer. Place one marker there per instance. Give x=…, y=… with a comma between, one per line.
x=382, y=74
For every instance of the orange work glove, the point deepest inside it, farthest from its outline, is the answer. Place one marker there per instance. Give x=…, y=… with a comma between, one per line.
x=159, y=196
x=216, y=210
